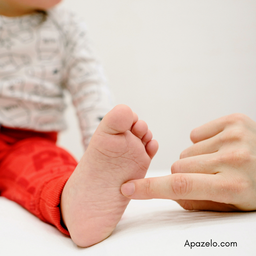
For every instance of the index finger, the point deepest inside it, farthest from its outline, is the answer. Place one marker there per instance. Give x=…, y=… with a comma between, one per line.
x=177, y=186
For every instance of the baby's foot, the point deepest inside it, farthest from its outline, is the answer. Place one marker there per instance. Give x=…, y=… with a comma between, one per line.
x=120, y=150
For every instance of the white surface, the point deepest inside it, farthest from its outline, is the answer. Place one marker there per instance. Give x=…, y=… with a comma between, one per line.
x=177, y=63
x=148, y=228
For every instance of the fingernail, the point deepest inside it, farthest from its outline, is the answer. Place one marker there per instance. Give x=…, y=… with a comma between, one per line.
x=128, y=189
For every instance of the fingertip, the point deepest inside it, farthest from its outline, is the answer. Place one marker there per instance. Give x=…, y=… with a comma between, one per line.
x=193, y=136
x=128, y=189
x=137, y=189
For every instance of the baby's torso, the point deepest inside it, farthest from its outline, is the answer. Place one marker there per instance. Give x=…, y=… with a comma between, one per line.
x=31, y=72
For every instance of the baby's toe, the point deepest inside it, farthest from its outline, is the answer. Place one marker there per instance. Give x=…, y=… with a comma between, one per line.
x=140, y=129
x=152, y=148
x=147, y=137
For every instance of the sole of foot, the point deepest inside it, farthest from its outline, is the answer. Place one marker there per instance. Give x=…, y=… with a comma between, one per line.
x=120, y=150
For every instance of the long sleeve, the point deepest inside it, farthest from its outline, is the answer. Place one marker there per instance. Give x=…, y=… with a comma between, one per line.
x=84, y=79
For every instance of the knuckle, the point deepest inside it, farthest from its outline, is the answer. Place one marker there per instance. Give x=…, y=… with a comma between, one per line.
x=148, y=187
x=225, y=189
x=235, y=134
x=241, y=186
x=244, y=156
x=236, y=158
x=181, y=185
x=232, y=189
x=245, y=187
x=235, y=118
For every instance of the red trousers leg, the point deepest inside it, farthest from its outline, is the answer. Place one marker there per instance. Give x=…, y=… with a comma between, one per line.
x=33, y=172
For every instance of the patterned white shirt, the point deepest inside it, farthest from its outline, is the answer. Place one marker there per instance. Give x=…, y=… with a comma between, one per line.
x=41, y=55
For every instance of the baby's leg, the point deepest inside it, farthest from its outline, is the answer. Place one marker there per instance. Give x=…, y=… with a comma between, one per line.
x=33, y=172
x=120, y=150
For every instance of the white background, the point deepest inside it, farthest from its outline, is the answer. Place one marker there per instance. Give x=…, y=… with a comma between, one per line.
x=177, y=63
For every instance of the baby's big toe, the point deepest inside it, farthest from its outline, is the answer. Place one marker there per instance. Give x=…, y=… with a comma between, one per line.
x=118, y=120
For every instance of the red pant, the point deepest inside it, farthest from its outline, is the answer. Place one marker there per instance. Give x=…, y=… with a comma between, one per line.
x=33, y=172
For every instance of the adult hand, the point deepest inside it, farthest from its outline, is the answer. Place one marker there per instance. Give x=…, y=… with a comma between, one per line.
x=218, y=172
